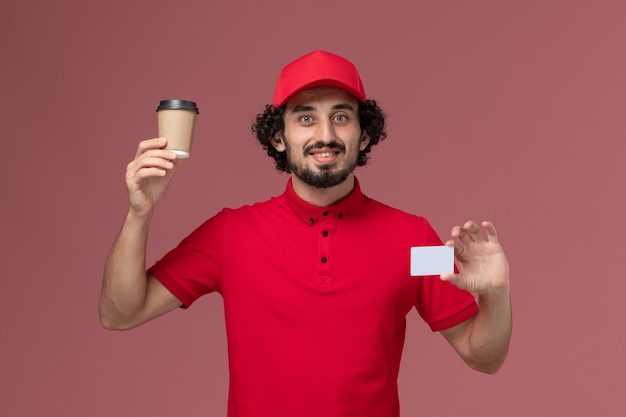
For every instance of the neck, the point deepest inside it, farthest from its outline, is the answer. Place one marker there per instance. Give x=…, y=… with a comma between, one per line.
x=322, y=197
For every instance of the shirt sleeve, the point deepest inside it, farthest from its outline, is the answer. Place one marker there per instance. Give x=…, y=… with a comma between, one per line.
x=193, y=268
x=441, y=304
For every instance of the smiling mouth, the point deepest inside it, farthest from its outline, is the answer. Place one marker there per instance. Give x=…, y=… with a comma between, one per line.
x=324, y=154
x=325, y=157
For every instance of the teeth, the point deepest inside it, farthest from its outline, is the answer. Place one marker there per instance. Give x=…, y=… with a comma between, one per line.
x=325, y=154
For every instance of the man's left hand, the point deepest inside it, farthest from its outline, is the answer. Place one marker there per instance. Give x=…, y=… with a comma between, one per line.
x=482, y=266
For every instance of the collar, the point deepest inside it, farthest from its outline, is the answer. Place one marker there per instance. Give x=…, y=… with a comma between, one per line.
x=310, y=213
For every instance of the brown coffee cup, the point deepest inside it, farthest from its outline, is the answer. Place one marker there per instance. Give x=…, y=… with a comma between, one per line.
x=176, y=122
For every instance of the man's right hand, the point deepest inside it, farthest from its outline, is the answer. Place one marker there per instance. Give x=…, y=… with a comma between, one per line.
x=149, y=175
x=129, y=296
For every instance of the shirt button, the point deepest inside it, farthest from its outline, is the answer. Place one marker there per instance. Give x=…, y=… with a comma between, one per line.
x=325, y=213
x=340, y=215
x=324, y=260
x=325, y=233
x=311, y=220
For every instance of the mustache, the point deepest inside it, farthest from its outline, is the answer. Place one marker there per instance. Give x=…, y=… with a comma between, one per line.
x=319, y=145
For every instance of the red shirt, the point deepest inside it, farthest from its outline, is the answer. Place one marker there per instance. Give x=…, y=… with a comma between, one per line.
x=315, y=301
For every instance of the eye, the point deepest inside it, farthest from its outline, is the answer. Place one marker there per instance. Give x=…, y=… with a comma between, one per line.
x=306, y=119
x=341, y=118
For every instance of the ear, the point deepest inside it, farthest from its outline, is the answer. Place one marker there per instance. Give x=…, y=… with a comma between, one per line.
x=365, y=140
x=277, y=142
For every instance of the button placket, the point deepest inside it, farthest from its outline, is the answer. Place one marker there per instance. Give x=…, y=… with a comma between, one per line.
x=326, y=223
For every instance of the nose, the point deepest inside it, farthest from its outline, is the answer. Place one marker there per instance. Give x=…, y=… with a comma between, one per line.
x=326, y=132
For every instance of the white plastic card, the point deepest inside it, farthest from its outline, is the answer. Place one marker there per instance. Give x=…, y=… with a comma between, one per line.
x=432, y=260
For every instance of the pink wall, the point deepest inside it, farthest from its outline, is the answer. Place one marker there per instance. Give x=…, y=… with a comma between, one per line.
x=511, y=111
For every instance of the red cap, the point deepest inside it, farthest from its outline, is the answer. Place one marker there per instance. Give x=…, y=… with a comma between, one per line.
x=316, y=69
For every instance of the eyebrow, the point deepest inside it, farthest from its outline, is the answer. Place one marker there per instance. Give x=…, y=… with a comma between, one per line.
x=304, y=108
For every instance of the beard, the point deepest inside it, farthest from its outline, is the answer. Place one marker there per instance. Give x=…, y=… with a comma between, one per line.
x=327, y=176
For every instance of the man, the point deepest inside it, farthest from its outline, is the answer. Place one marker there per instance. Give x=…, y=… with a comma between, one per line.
x=315, y=282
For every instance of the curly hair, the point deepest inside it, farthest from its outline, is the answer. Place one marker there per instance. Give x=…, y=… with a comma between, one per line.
x=271, y=121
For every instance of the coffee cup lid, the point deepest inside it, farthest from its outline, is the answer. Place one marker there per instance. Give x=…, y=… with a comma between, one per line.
x=178, y=105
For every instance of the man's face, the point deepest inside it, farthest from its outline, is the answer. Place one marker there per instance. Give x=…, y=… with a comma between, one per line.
x=322, y=136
